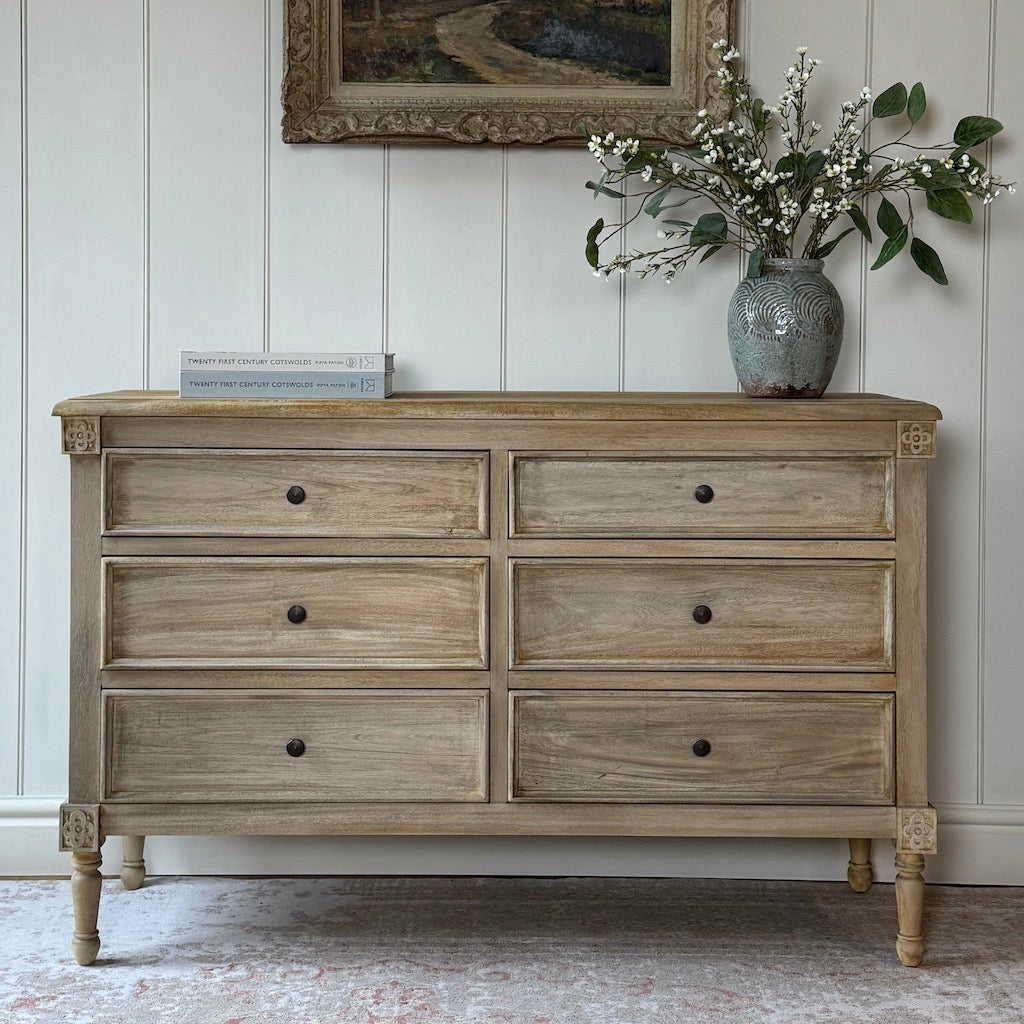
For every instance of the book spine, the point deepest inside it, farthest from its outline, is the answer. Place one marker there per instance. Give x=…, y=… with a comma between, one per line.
x=225, y=384
x=309, y=362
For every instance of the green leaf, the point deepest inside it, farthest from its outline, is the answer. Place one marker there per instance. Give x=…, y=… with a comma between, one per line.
x=602, y=189
x=756, y=263
x=814, y=165
x=916, y=103
x=653, y=206
x=678, y=203
x=888, y=218
x=709, y=252
x=951, y=204
x=927, y=260
x=975, y=129
x=592, y=252
x=891, y=102
x=710, y=229
x=823, y=250
x=940, y=178
x=856, y=214
x=757, y=118
x=891, y=248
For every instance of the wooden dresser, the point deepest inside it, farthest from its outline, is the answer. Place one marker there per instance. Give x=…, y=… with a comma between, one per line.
x=498, y=614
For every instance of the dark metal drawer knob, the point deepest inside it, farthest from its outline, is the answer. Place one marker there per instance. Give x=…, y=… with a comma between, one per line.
x=296, y=614
x=295, y=748
x=702, y=614
x=296, y=495
x=704, y=494
x=702, y=748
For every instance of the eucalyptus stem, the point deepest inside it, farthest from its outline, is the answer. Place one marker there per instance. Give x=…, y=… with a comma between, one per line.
x=749, y=203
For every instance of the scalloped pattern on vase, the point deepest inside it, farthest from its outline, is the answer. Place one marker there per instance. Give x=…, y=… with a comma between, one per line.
x=785, y=330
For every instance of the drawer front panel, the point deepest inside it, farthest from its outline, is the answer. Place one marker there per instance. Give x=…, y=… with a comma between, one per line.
x=355, y=746
x=604, y=495
x=702, y=747
x=331, y=494
x=695, y=613
x=300, y=612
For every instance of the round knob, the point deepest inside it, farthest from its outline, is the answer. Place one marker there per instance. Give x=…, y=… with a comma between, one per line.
x=702, y=614
x=296, y=614
x=704, y=494
x=295, y=748
x=296, y=495
x=702, y=748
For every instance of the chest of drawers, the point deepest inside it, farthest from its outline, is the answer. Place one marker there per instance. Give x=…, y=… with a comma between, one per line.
x=498, y=614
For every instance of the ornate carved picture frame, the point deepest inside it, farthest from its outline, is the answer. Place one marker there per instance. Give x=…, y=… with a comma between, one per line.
x=329, y=94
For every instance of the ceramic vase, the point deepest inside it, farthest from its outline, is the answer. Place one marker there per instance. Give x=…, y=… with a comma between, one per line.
x=785, y=330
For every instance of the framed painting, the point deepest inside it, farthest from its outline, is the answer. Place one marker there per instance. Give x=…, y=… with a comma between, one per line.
x=498, y=71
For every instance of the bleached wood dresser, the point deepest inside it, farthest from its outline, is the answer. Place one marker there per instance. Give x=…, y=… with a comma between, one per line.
x=500, y=614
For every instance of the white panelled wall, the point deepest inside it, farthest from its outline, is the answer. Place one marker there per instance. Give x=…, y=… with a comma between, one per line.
x=147, y=205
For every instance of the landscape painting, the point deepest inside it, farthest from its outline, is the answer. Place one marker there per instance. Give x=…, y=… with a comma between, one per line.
x=499, y=72
x=580, y=43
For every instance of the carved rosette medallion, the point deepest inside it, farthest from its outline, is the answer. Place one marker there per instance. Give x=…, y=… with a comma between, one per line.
x=916, y=830
x=916, y=440
x=81, y=435
x=79, y=827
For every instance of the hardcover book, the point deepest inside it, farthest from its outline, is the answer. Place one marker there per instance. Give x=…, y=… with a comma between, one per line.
x=283, y=384
x=307, y=362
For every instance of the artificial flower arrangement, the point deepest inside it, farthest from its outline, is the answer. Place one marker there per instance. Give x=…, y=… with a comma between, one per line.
x=788, y=208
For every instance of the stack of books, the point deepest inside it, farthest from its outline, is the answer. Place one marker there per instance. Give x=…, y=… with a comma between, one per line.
x=286, y=374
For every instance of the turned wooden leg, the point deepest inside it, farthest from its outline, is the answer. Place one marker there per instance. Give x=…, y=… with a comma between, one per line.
x=858, y=872
x=133, y=867
x=86, y=883
x=909, y=907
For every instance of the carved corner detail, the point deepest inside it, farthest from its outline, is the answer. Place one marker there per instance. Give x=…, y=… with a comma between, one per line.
x=917, y=830
x=80, y=828
x=81, y=435
x=916, y=440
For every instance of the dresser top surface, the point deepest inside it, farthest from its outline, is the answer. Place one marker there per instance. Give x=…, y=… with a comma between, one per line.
x=546, y=405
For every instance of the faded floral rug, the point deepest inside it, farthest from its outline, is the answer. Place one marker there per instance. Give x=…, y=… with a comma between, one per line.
x=508, y=951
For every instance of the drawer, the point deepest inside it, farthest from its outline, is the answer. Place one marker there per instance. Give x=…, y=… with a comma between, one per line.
x=296, y=494
x=296, y=612
x=355, y=746
x=587, y=494
x=642, y=613
x=702, y=747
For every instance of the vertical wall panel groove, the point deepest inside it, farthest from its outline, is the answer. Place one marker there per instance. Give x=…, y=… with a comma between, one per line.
x=268, y=122
x=865, y=260
x=983, y=421
x=13, y=414
x=1003, y=567
x=503, y=312
x=385, y=246
x=21, y=745
x=147, y=324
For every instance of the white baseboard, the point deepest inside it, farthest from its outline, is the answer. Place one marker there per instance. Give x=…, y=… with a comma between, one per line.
x=978, y=845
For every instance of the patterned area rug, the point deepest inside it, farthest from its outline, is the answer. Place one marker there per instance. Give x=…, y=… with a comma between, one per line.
x=508, y=951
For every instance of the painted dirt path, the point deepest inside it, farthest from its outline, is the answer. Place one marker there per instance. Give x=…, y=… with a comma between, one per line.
x=466, y=37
